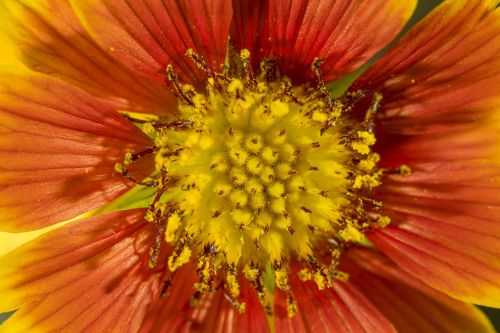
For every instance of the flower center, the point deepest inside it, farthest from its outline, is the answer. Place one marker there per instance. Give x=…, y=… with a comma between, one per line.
x=257, y=175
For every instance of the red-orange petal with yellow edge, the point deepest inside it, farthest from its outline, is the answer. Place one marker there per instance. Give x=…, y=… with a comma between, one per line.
x=459, y=256
x=344, y=33
x=341, y=309
x=146, y=36
x=51, y=39
x=443, y=75
x=446, y=228
x=86, y=276
x=409, y=304
x=213, y=312
x=58, y=147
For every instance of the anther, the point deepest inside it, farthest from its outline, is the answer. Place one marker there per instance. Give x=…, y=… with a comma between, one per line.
x=312, y=228
x=370, y=114
x=305, y=209
x=315, y=67
x=176, y=125
x=245, y=58
x=166, y=285
x=199, y=61
x=269, y=69
x=172, y=77
x=235, y=304
x=155, y=251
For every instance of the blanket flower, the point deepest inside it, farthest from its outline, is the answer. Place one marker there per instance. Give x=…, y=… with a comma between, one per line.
x=257, y=199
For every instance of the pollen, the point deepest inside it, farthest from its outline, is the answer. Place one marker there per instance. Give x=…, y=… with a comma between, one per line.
x=257, y=174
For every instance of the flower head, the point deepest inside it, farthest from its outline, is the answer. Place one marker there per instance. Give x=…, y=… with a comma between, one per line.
x=249, y=197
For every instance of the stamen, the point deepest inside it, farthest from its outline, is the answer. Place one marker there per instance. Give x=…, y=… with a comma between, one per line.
x=166, y=285
x=172, y=77
x=370, y=114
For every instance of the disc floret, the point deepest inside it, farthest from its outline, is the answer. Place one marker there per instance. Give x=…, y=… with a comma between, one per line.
x=257, y=174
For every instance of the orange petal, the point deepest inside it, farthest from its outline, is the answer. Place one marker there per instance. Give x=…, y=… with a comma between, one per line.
x=58, y=146
x=408, y=303
x=344, y=33
x=146, y=36
x=338, y=310
x=478, y=141
x=446, y=228
x=444, y=73
x=50, y=39
x=462, y=261
x=212, y=313
x=474, y=181
x=89, y=275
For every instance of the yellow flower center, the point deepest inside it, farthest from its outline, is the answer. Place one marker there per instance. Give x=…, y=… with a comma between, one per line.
x=257, y=174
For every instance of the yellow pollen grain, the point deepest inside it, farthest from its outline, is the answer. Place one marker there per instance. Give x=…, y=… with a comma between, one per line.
x=351, y=233
x=174, y=262
x=234, y=287
x=173, y=224
x=291, y=307
x=251, y=273
x=281, y=278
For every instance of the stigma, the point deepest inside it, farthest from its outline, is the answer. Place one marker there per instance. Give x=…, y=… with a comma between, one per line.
x=257, y=175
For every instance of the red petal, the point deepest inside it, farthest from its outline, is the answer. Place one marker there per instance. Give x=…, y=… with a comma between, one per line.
x=454, y=180
x=341, y=309
x=148, y=35
x=213, y=314
x=461, y=262
x=345, y=33
x=90, y=275
x=51, y=40
x=479, y=141
x=446, y=227
x=444, y=73
x=409, y=304
x=250, y=28
x=58, y=146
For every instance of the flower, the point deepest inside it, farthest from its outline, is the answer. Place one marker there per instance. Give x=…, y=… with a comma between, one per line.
x=271, y=205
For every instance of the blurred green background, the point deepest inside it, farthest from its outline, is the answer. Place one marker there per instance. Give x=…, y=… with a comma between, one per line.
x=423, y=8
